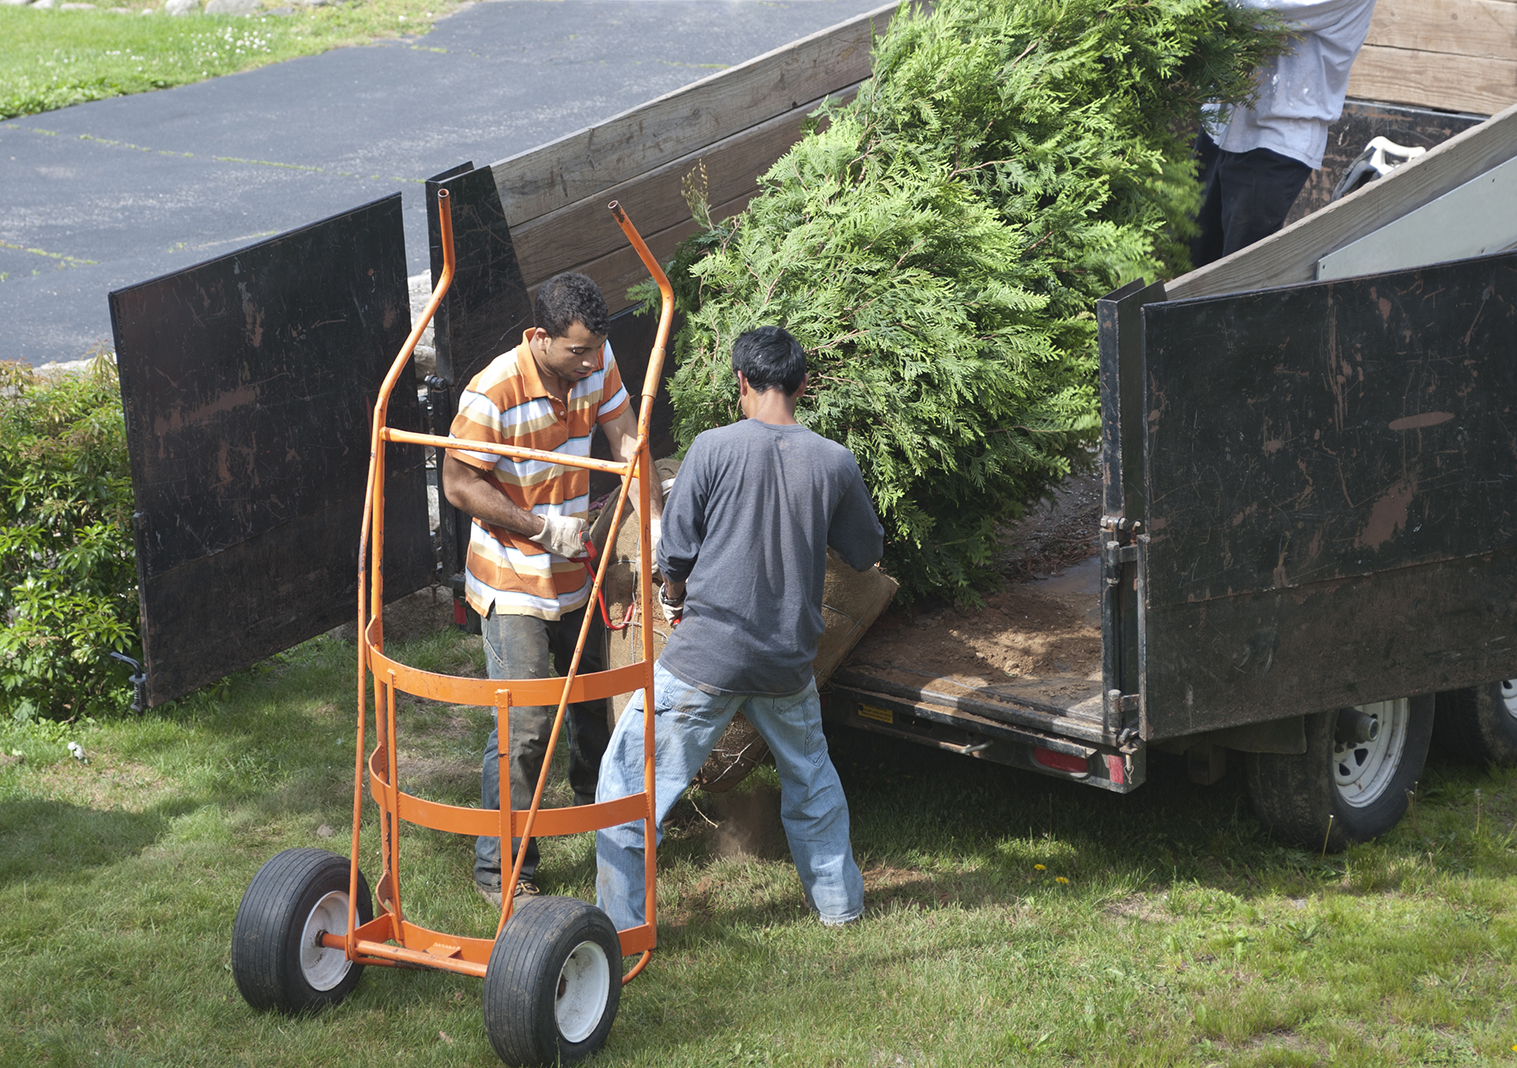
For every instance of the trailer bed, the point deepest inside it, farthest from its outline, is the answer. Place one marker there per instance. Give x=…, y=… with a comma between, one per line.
x=1017, y=681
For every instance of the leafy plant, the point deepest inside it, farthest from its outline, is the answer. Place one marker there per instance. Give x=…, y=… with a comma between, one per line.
x=938, y=243
x=68, y=579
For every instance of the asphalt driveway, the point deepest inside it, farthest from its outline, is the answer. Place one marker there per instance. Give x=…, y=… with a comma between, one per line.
x=105, y=194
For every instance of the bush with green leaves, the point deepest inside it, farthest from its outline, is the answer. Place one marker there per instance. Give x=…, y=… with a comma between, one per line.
x=938, y=243
x=68, y=575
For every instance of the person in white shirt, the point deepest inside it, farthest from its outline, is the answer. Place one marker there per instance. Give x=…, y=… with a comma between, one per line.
x=1255, y=160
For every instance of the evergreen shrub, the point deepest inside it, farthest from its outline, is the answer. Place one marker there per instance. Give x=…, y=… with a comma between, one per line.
x=938, y=244
x=68, y=575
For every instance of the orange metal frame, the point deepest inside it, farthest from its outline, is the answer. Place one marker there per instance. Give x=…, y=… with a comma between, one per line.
x=390, y=939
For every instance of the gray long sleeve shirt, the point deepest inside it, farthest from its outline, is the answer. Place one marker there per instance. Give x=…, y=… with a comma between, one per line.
x=747, y=526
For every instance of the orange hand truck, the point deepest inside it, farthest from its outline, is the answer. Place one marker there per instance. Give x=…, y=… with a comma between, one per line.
x=306, y=926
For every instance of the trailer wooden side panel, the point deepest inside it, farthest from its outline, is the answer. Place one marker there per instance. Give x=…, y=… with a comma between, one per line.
x=1453, y=55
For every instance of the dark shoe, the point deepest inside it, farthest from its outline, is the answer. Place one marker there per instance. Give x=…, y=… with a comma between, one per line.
x=492, y=896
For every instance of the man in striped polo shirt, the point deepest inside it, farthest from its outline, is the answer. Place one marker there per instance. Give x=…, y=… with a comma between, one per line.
x=522, y=575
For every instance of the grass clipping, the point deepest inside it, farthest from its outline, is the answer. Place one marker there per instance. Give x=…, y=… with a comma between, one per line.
x=938, y=243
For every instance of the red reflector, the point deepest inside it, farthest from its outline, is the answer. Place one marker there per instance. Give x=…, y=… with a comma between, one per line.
x=460, y=616
x=1060, y=761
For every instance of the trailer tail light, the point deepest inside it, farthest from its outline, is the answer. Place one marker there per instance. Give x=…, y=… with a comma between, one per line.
x=1061, y=761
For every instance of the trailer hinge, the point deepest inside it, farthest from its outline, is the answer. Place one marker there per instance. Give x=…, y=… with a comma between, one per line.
x=1117, y=546
x=1123, y=702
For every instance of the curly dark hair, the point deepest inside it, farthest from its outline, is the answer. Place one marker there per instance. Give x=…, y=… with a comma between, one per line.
x=569, y=298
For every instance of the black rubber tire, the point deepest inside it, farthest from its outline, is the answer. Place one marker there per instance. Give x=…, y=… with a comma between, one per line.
x=266, y=936
x=529, y=972
x=1294, y=795
x=1477, y=725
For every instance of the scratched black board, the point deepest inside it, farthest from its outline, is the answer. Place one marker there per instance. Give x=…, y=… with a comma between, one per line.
x=1330, y=472
x=248, y=384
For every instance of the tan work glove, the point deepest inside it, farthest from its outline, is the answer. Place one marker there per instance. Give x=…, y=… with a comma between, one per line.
x=560, y=535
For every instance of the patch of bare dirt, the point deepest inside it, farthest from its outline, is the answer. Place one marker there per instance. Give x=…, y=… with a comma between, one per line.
x=416, y=615
x=1018, y=632
x=1137, y=906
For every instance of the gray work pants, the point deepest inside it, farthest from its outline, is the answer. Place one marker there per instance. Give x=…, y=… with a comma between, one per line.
x=525, y=647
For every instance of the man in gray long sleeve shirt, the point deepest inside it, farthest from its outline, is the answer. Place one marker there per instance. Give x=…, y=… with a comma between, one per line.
x=744, y=554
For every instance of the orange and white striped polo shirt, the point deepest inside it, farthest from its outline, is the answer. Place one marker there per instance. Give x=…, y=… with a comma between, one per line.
x=506, y=403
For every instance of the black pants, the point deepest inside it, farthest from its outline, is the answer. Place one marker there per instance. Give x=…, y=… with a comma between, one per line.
x=1245, y=197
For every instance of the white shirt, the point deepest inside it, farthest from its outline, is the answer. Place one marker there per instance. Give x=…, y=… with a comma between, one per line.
x=1301, y=91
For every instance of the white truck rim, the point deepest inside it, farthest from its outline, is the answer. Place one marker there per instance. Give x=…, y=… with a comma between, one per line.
x=1363, y=771
x=1509, y=696
x=324, y=968
x=584, y=986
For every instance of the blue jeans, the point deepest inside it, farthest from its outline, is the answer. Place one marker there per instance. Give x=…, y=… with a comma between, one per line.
x=525, y=647
x=687, y=724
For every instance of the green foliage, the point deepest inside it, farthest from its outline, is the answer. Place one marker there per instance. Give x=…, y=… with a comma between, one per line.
x=68, y=578
x=938, y=243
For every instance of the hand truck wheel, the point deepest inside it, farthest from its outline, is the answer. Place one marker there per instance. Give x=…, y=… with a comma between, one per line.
x=277, y=958
x=553, y=983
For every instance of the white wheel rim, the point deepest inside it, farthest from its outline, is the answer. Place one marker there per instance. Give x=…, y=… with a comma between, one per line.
x=324, y=968
x=1363, y=771
x=584, y=987
x=1509, y=696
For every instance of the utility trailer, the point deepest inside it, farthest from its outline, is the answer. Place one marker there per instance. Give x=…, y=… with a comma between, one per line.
x=1308, y=532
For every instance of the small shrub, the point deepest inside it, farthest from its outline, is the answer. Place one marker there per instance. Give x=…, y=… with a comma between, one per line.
x=68, y=575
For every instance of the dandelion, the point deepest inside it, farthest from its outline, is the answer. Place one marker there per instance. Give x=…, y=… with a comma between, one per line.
x=1039, y=867
x=1060, y=879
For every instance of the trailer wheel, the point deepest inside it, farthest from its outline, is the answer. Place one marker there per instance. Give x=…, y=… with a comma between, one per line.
x=1479, y=724
x=553, y=983
x=1351, y=784
x=277, y=960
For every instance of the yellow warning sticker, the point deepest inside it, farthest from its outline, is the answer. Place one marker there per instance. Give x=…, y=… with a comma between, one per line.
x=881, y=715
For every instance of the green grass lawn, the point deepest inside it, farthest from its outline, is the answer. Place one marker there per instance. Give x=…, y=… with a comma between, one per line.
x=54, y=58
x=1011, y=919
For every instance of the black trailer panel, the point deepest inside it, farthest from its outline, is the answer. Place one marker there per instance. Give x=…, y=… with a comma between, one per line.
x=248, y=384
x=1329, y=514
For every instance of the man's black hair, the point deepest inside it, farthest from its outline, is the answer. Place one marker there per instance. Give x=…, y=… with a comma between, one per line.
x=569, y=298
x=770, y=357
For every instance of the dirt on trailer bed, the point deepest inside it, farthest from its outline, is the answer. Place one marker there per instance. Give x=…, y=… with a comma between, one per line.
x=1038, y=638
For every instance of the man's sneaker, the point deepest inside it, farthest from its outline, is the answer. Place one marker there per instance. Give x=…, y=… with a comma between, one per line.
x=524, y=888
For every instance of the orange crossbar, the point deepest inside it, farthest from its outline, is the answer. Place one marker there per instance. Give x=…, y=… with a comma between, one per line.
x=389, y=938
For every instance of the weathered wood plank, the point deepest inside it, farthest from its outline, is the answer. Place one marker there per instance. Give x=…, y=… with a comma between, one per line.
x=1463, y=27
x=616, y=270
x=1292, y=254
x=1434, y=79
x=572, y=168
x=584, y=231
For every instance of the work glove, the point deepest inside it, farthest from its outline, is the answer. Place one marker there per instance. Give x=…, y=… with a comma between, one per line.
x=672, y=611
x=561, y=535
